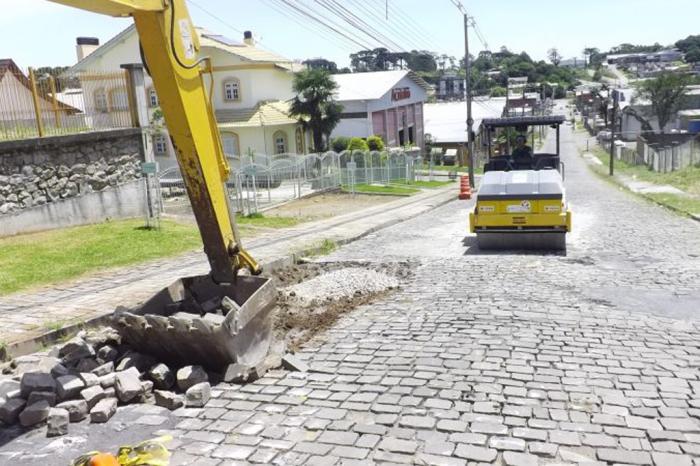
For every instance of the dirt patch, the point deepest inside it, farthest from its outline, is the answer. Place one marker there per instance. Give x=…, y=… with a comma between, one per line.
x=327, y=205
x=297, y=321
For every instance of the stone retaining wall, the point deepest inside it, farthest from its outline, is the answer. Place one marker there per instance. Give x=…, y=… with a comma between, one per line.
x=39, y=171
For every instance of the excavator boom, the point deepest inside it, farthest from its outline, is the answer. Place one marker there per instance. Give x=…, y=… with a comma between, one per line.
x=170, y=49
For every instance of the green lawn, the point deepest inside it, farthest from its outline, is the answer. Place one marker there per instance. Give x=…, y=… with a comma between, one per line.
x=687, y=180
x=53, y=256
x=395, y=190
x=444, y=168
x=259, y=220
x=425, y=184
x=57, y=255
x=681, y=203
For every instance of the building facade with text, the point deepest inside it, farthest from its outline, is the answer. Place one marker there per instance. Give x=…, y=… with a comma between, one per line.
x=383, y=103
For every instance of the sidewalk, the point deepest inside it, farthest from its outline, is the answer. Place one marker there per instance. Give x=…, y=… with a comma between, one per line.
x=29, y=319
x=647, y=189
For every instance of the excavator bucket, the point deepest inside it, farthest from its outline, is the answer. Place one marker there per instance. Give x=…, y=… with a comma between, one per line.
x=197, y=321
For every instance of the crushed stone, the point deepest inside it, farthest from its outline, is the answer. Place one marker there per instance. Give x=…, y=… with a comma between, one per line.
x=339, y=284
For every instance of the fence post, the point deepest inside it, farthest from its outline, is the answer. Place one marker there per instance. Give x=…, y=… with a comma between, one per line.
x=54, y=101
x=138, y=108
x=35, y=99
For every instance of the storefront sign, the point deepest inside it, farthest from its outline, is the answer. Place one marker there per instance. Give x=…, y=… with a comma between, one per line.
x=400, y=93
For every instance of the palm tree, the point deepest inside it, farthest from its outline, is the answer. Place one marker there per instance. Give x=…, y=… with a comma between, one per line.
x=314, y=105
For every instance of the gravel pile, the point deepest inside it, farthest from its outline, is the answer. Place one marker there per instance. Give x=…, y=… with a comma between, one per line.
x=340, y=284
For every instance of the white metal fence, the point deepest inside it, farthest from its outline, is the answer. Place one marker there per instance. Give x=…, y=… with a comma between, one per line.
x=261, y=181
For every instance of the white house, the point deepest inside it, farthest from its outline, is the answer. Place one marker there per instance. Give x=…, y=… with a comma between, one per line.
x=384, y=103
x=251, y=93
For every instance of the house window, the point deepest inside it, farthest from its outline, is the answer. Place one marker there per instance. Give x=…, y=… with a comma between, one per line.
x=280, y=139
x=230, y=143
x=232, y=89
x=160, y=145
x=118, y=99
x=152, y=98
x=100, y=100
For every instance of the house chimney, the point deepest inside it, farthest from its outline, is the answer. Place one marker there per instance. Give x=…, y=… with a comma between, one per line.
x=85, y=46
x=248, y=38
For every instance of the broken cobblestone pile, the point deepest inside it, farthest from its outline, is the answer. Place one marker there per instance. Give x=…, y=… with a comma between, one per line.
x=92, y=374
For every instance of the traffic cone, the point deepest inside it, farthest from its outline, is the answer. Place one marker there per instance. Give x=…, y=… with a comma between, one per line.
x=465, y=190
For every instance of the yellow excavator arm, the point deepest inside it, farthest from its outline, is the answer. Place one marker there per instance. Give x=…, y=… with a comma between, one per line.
x=171, y=52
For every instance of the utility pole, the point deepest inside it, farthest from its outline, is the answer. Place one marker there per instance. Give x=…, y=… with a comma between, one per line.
x=468, y=89
x=612, y=132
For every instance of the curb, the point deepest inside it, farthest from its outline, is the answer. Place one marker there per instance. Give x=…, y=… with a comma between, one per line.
x=38, y=342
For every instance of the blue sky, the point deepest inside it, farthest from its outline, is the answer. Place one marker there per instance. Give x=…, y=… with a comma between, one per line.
x=38, y=33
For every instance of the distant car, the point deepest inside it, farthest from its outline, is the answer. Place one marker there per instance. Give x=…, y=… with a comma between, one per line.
x=450, y=157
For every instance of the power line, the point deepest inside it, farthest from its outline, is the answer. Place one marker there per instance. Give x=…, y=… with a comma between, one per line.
x=360, y=24
x=417, y=35
x=339, y=41
x=228, y=25
x=368, y=10
x=413, y=25
x=331, y=27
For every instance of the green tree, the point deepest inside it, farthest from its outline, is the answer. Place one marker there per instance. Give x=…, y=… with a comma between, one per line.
x=375, y=143
x=589, y=52
x=666, y=93
x=321, y=63
x=340, y=143
x=358, y=144
x=314, y=105
x=693, y=55
x=498, y=91
x=554, y=56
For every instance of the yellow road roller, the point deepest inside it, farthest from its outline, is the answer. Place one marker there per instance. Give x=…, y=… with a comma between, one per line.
x=521, y=203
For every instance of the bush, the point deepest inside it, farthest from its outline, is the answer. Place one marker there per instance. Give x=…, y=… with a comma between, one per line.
x=340, y=143
x=375, y=143
x=499, y=91
x=358, y=144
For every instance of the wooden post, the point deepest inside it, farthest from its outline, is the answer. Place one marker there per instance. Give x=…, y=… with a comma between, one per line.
x=35, y=99
x=54, y=101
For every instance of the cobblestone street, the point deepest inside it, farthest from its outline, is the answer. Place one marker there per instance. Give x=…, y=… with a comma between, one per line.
x=517, y=359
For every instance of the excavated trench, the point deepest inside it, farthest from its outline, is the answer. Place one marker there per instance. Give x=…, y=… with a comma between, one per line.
x=313, y=296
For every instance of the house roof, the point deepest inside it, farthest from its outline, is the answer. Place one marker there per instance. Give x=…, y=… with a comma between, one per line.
x=86, y=62
x=372, y=85
x=7, y=65
x=206, y=39
x=269, y=113
x=244, y=51
x=446, y=122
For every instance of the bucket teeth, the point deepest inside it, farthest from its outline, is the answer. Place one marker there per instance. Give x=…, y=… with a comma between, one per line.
x=174, y=327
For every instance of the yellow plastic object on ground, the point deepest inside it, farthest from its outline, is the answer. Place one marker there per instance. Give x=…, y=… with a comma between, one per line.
x=151, y=452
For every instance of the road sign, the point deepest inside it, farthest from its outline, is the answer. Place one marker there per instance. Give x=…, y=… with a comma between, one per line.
x=149, y=168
